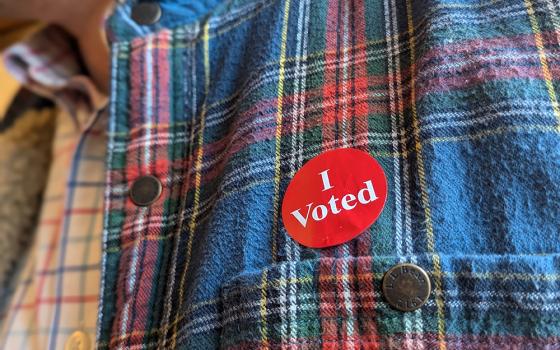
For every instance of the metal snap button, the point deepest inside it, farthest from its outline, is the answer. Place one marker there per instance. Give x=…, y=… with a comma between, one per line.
x=406, y=287
x=78, y=341
x=145, y=190
x=146, y=13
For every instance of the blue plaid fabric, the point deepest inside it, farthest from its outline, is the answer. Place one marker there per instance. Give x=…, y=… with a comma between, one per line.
x=224, y=102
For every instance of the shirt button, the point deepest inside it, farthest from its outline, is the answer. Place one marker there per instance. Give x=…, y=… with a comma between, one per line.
x=78, y=341
x=146, y=13
x=406, y=287
x=145, y=190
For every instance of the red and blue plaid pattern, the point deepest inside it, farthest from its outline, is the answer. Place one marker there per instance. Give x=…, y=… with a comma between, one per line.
x=56, y=289
x=456, y=100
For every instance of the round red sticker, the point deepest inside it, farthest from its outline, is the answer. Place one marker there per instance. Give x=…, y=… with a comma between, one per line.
x=334, y=197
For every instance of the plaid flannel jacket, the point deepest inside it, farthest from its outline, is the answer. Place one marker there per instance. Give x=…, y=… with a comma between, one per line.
x=458, y=100
x=224, y=101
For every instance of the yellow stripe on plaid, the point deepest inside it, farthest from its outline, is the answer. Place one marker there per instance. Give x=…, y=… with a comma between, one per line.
x=543, y=61
x=278, y=133
x=264, y=331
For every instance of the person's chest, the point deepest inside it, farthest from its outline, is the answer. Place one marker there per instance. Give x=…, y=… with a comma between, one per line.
x=456, y=102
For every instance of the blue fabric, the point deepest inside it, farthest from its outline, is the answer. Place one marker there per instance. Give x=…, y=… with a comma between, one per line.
x=456, y=100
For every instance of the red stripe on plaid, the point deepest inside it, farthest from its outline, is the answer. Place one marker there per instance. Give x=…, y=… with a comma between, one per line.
x=83, y=211
x=53, y=245
x=162, y=95
x=50, y=222
x=265, y=124
x=136, y=257
x=360, y=109
x=366, y=296
x=266, y=108
x=68, y=299
x=144, y=283
x=331, y=85
x=520, y=43
x=150, y=248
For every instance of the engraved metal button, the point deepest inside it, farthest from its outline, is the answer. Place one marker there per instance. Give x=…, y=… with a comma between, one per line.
x=146, y=13
x=145, y=190
x=78, y=341
x=406, y=287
